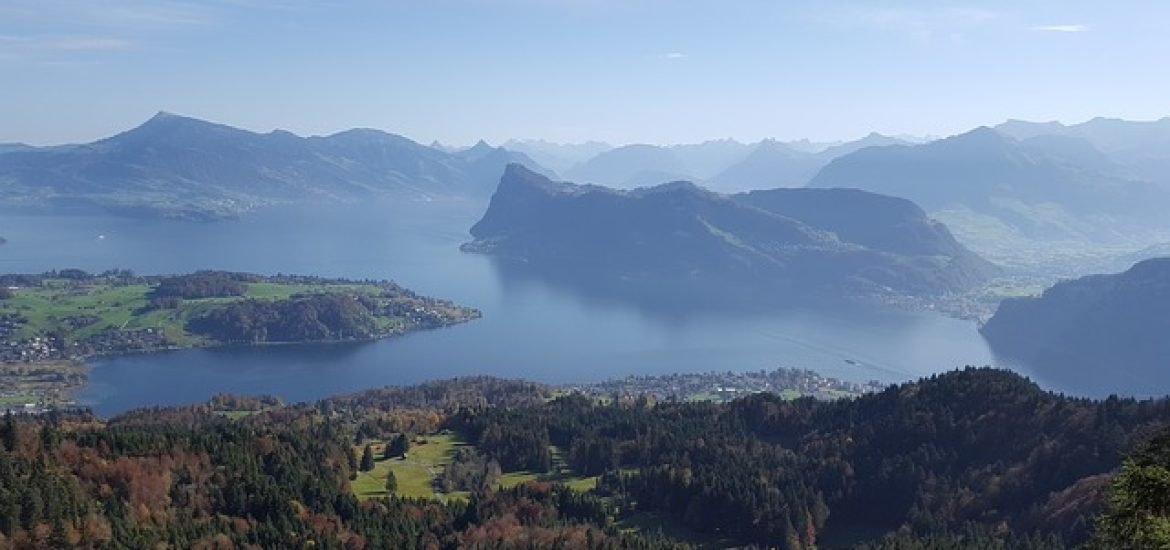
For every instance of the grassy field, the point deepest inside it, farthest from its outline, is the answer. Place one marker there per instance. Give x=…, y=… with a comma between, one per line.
x=1014, y=290
x=416, y=474
x=17, y=399
x=121, y=307
x=562, y=474
x=274, y=291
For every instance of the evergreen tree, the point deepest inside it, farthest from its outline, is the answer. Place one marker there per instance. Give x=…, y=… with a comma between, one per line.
x=391, y=482
x=396, y=447
x=367, y=459
x=1138, y=512
x=9, y=433
x=352, y=461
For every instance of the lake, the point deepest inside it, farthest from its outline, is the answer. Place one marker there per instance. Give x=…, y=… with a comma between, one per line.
x=534, y=327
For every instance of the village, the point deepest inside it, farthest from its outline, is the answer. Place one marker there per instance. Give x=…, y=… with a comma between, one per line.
x=724, y=386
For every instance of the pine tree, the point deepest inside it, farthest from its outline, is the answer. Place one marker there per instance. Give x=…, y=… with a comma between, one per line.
x=396, y=447
x=367, y=459
x=9, y=433
x=352, y=461
x=391, y=482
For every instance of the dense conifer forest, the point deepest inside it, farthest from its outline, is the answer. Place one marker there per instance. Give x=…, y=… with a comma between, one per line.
x=977, y=458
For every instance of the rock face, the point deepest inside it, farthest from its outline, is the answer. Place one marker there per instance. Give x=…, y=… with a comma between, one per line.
x=1099, y=334
x=768, y=244
x=184, y=167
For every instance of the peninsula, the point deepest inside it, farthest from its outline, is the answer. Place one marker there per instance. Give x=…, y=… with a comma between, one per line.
x=51, y=322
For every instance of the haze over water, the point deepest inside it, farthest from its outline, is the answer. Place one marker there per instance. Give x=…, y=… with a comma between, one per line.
x=532, y=327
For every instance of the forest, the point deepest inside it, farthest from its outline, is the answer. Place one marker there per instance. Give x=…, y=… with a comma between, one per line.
x=977, y=458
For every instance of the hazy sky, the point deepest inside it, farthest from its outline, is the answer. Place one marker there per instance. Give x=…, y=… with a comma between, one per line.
x=658, y=71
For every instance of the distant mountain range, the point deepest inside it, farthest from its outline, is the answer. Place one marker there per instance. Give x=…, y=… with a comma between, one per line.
x=557, y=156
x=993, y=189
x=777, y=244
x=722, y=165
x=1026, y=195
x=1094, y=335
x=1141, y=147
x=175, y=166
x=631, y=166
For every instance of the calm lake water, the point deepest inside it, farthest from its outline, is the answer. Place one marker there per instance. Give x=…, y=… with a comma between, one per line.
x=534, y=327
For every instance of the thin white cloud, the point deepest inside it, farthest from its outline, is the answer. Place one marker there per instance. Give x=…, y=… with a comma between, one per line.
x=1061, y=28
x=675, y=55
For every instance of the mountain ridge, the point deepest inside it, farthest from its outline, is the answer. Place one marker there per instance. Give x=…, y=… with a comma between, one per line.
x=679, y=233
x=1041, y=188
x=177, y=166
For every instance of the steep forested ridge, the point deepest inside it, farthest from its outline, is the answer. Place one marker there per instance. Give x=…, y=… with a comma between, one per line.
x=1098, y=334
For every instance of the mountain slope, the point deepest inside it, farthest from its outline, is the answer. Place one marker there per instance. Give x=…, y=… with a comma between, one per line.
x=631, y=166
x=679, y=234
x=1143, y=147
x=1040, y=188
x=774, y=164
x=178, y=166
x=557, y=156
x=771, y=164
x=706, y=159
x=1100, y=334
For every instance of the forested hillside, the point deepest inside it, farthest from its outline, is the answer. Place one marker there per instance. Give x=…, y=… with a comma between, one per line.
x=971, y=459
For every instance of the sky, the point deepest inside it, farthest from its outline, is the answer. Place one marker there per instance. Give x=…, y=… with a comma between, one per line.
x=621, y=71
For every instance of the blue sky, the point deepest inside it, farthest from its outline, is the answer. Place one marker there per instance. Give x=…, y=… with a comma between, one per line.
x=656, y=71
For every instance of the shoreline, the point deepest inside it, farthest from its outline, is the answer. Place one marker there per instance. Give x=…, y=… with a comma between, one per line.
x=82, y=365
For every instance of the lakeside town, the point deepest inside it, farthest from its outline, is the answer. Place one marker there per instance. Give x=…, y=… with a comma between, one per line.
x=721, y=387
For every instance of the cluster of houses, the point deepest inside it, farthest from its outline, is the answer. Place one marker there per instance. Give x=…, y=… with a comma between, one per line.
x=111, y=342
x=40, y=348
x=30, y=350
x=422, y=316
x=24, y=408
x=9, y=325
x=724, y=386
